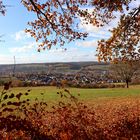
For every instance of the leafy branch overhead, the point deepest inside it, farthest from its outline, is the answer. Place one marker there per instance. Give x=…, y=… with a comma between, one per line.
x=2, y=8
x=125, y=39
x=57, y=20
x=2, y=11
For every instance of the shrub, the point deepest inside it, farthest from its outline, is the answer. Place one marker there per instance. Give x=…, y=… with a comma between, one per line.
x=74, y=120
x=17, y=83
x=1, y=82
x=119, y=85
x=14, y=116
x=22, y=119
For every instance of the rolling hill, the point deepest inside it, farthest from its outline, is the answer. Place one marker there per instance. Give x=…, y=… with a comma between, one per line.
x=67, y=67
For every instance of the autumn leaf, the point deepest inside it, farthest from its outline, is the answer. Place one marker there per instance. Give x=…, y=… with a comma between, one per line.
x=18, y=96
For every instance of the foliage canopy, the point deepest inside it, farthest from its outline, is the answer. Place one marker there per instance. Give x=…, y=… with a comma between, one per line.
x=58, y=20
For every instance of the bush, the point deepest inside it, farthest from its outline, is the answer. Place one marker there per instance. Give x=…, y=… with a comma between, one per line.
x=22, y=119
x=17, y=83
x=120, y=85
x=97, y=85
x=1, y=82
x=135, y=81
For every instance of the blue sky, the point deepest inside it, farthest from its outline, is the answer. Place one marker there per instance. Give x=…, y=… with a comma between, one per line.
x=24, y=48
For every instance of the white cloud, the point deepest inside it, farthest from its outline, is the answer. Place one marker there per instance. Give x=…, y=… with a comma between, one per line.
x=20, y=35
x=99, y=32
x=23, y=49
x=87, y=43
x=135, y=3
x=82, y=56
x=6, y=59
x=102, y=32
x=72, y=54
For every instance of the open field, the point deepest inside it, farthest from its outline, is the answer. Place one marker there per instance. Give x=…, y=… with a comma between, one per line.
x=86, y=95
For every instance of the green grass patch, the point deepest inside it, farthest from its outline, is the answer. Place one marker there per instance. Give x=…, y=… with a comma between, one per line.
x=50, y=93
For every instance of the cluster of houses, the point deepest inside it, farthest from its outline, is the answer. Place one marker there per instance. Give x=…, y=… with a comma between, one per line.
x=59, y=79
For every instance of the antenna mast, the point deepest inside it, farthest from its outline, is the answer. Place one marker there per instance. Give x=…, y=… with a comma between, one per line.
x=14, y=69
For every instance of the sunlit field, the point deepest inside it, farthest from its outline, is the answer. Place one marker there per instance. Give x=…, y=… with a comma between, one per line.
x=86, y=95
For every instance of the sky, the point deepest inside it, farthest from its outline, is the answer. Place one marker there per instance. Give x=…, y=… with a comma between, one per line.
x=19, y=44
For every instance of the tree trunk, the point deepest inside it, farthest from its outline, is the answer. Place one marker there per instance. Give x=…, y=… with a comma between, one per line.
x=127, y=83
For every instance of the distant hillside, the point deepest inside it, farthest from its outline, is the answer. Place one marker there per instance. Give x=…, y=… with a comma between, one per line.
x=67, y=67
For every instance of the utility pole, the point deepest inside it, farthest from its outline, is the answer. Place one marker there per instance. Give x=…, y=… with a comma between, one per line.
x=14, y=69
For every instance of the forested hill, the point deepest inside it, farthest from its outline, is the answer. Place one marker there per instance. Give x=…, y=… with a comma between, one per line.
x=66, y=67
